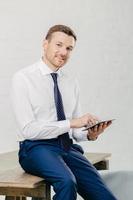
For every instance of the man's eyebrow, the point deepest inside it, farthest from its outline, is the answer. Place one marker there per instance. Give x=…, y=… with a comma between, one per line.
x=62, y=43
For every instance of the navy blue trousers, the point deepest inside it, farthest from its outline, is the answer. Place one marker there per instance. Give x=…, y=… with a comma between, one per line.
x=68, y=172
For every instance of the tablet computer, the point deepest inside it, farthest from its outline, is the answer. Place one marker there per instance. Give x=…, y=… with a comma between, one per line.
x=97, y=124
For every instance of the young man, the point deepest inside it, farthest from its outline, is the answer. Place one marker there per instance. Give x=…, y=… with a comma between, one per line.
x=47, y=109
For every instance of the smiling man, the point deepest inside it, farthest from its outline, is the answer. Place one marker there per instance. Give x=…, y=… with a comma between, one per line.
x=47, y=109
x=57, y=49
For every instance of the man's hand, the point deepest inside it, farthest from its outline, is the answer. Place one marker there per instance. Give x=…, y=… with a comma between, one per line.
x=83, y=121
x=93, y=133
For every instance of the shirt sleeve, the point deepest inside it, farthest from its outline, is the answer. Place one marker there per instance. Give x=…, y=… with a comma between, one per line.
x=78, y=133
x=30, y=127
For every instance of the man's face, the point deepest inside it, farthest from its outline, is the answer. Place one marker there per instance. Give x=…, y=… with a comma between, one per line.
x=57, y=50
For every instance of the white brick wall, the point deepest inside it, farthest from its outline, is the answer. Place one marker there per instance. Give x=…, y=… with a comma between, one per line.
x=102, y=59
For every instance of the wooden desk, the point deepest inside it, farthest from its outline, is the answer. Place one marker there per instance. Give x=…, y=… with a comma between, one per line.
x=16, y=184
x=99, y=160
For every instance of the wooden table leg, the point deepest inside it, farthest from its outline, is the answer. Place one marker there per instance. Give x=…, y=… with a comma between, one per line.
x=15, y=198
x=10, y=198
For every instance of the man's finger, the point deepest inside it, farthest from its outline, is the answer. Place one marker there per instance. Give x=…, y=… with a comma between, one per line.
x=100, y=128
x=106, y=124
x=95, y=129
x=92, y=121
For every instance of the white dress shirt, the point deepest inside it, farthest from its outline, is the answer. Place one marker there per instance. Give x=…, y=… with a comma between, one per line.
x=32, y=95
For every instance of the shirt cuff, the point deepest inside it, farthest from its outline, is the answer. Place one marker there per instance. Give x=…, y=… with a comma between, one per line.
x=80, y=135
x=64, y=126
x=84, y=135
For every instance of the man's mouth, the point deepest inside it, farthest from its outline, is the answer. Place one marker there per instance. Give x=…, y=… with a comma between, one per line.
x=61, y=59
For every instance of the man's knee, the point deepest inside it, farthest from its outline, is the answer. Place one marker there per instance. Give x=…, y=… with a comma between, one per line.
x=69, y=181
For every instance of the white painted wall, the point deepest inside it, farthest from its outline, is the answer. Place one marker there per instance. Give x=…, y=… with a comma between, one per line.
x=102, y=60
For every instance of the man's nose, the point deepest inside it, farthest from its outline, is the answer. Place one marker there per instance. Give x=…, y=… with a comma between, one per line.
x=63, y=51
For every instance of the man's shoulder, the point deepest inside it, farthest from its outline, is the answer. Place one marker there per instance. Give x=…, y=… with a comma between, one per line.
x=25, y=71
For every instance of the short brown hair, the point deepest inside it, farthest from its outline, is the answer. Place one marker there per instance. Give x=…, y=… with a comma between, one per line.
x=60, y=28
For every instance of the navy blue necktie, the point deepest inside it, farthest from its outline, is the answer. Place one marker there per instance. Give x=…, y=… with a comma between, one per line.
x=64, y=139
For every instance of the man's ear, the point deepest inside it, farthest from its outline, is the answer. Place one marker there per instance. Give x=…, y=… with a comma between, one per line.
x=45, y=44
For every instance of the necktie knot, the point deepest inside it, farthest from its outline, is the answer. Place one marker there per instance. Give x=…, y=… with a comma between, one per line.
x=54, y=76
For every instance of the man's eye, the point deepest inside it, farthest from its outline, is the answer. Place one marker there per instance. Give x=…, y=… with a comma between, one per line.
x=69, y=49
x=59, y=45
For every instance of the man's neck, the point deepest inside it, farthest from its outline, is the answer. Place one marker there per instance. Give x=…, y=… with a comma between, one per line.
x=49, y=64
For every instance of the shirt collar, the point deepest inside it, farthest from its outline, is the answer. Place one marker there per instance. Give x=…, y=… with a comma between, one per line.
x=46, y=70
